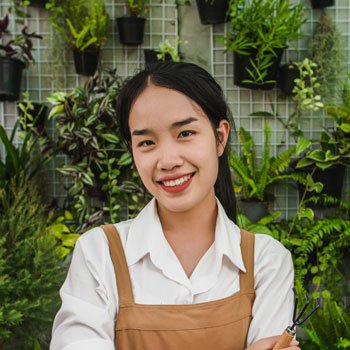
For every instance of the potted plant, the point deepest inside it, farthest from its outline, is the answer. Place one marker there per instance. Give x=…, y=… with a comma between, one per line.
x=319, y=4
x=16, y=55
x=326, y=50
x=131, y=28
x=167, y=51
x=212, y=11
x=258, y=32
x=253, y=179
x=84, y=27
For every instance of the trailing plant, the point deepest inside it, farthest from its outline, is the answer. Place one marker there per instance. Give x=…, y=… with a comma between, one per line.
x=82, y=24
x=327, y=51
x=262, y=27
x=21, y=46
x=30, y=274
x=169, y=48
x=253, y=178
x=88, y=134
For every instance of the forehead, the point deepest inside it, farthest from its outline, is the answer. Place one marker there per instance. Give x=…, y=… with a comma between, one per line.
x=160, y=105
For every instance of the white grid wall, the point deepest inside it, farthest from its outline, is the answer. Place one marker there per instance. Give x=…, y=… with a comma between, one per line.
x=164, y=21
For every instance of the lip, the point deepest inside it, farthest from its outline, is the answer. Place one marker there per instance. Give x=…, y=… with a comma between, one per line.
x=178, y=188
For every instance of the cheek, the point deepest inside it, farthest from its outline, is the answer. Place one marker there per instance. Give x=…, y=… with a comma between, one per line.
x=143, y=166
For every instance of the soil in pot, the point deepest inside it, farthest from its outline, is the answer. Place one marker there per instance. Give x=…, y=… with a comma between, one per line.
x=86, y=62
x=212, y=11
x=319, y=4
x=242, y=63
x=131, y=30
x=10, y=78
x=287, y=74
x=38, y=3
x=332, y=179
x=254, y=210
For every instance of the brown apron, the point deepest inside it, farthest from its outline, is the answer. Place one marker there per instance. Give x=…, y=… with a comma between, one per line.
x=220, y=324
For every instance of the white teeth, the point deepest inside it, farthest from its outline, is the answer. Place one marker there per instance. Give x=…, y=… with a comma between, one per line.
x=177, y=182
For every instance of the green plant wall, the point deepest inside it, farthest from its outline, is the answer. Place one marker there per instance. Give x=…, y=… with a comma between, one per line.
x=54, y=70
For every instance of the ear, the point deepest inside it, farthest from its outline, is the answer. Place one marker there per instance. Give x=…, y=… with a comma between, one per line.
x=223, y=132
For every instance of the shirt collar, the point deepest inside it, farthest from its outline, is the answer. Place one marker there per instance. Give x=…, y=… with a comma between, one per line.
x=146, y=237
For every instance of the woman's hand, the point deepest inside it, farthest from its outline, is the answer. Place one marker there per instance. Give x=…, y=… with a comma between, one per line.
x=269, y=343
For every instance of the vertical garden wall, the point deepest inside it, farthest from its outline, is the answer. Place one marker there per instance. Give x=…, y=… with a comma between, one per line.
x=283, y=126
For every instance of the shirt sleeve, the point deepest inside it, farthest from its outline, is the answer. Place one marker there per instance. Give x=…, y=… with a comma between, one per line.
x=274, y=280
x=85, y=320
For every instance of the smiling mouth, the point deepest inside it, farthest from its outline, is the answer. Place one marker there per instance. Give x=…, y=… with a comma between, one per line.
x=177, y=182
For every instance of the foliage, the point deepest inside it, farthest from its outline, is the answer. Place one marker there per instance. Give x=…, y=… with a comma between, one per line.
x=98, y=161
x=171, y=49
x=327, y=51
x=22, y=160
x=330, y=329
x=262, y=26
x=29, y=271
x=83, y=24
x=253, y=179
x=137, y=7
x=21, y=46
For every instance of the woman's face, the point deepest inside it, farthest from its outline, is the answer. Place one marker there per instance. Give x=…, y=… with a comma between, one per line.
x=175, y=149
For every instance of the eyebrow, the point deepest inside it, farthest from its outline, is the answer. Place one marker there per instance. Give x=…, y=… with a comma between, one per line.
x=141, y=132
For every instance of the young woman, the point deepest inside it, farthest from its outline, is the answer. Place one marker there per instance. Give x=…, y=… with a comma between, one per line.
x=181, y=275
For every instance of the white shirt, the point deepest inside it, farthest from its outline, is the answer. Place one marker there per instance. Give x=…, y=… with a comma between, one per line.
x=86, y=319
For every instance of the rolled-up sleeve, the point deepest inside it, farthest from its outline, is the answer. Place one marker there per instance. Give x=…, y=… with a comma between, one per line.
x=85, y=320
x=274, y=280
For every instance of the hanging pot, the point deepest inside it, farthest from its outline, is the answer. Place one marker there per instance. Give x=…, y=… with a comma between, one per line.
x=212, y=11
x=39, y=114
x=319, y=4
x=131, y=30
x=287, y=74
x=10, y=78
x=151, y=56
x=332, y=179
x=242, y=64
x=86, y=62
x=254, y=210
x=38, y=3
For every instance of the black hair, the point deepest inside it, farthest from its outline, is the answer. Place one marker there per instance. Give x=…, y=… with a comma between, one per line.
x=196, y=83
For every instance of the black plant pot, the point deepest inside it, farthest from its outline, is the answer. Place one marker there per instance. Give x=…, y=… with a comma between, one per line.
x=131, y=30
x=332, y=179
x=287, y=74
x=151, y=56
x=212, y=11
x=10, y=78
x=319, y=4
x=242, y=63
x=86, y=62
x=39, y=114
x=38, y=3
x=254, y=210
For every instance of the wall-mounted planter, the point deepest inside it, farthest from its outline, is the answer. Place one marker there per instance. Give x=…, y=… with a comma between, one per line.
x=212, y=11
x=242, y=63
x=287, y=74
x=38, y=3
x=131, y=30
x=254, y=210
x=10, y=78
x=86, y=62
x=332, y=179
x=151, y=56
x=319, y=4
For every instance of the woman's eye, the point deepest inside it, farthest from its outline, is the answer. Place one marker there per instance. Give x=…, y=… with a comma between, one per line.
x=186, y=133
x=145, y=143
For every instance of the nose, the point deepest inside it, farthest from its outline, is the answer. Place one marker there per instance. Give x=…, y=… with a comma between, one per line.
x=169, y=157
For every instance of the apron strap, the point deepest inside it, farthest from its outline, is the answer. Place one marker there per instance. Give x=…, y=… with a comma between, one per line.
x=122, y=276
x=247, y=249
